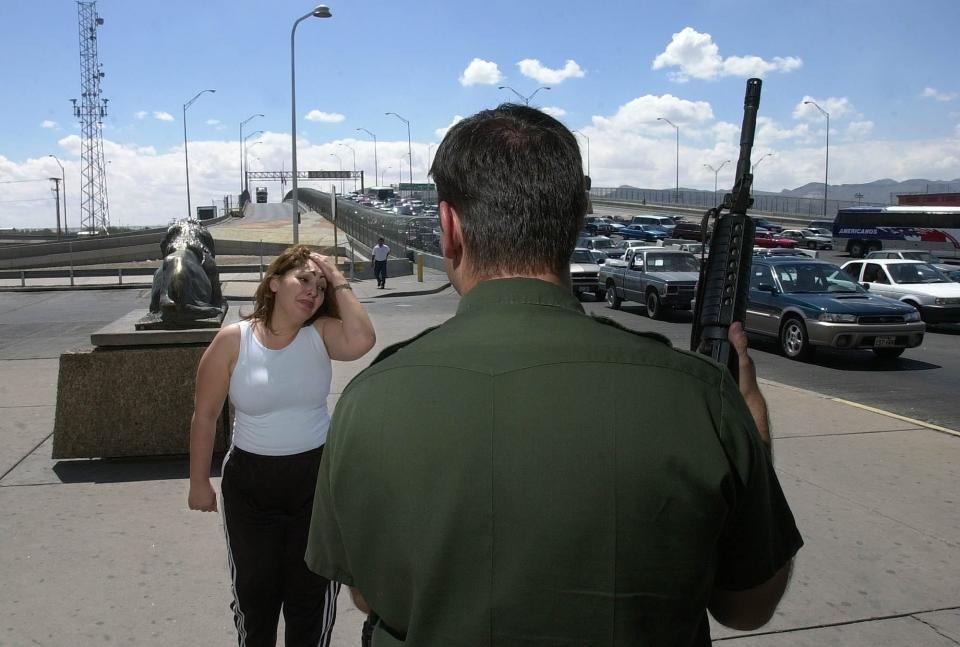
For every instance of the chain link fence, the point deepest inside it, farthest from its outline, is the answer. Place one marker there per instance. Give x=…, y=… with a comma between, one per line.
x=405, y=235
x=768, y=203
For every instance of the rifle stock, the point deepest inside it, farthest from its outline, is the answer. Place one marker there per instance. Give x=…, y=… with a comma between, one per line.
x=723, y=288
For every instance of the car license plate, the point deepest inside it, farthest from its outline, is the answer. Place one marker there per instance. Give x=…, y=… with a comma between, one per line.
x=885, y=341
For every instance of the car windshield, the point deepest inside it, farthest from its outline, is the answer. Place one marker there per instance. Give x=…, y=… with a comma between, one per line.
x=581, y=256
x=912, y=273
x=672, y=263
x=602, y=243
x=814, y=278
x=926, y=257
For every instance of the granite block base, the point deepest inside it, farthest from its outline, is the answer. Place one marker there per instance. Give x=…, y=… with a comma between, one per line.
x=128, y=401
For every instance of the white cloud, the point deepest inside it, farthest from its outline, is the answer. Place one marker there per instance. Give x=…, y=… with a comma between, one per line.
x=933, y=93
x=754, y=66
x=837, y=107
x=213, y=122
x=52, y=125
x=640, y=114
x=534, y=69
x=326, y=117
x=859, y=129
x=441, y=132
x=162, y=116
x=481, y=72
x=141, y=114
x=768, y=130
x=553, y=111
x=71, y=144
x=697, y=56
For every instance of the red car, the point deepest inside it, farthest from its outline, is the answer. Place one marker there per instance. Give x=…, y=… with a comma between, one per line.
x=773, y=240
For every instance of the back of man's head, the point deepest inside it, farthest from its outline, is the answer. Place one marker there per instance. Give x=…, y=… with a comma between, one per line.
x=515, y=177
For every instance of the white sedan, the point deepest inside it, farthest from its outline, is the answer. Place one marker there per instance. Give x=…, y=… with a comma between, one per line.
x=920, y=284
x=808, y=238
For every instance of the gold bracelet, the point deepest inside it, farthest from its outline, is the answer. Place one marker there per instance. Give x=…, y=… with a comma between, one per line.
x=343, y=286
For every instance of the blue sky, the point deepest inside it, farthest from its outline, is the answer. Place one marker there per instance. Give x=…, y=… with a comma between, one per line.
x=884, y=70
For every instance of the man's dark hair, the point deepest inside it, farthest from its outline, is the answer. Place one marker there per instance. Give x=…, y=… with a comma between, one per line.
x=515, y=177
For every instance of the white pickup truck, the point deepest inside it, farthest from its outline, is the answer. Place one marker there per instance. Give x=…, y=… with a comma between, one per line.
x=657, y=277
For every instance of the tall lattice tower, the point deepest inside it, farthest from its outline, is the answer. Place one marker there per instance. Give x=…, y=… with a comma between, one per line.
x=94, y=209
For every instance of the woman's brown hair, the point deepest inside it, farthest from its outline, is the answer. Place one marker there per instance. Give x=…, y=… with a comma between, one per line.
x=292, y=258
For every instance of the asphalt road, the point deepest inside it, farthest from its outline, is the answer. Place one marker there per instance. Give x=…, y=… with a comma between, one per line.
x=921, y=384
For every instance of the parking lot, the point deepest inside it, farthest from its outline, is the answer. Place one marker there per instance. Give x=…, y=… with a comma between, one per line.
x=919, y=384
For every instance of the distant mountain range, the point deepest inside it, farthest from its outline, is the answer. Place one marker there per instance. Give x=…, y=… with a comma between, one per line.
x=877, y=192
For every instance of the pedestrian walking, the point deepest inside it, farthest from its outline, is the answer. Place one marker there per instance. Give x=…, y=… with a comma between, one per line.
x=493, y=504
x=380, y=253
x=275, y=366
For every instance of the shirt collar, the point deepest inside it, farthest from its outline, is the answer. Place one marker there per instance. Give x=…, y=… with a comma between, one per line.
x=520, y=291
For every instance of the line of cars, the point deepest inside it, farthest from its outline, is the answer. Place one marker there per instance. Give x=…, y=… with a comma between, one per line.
x=801, y=301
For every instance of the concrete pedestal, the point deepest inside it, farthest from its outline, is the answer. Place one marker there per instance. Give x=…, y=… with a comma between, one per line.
x=132, y=396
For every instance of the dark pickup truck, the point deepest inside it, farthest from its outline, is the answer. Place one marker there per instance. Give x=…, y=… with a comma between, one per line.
x=659, y=278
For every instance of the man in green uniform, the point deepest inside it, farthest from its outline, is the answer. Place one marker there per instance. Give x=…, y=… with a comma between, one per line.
x=525, y=474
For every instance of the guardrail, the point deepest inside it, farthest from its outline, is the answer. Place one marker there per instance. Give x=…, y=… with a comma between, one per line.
x=119, y=272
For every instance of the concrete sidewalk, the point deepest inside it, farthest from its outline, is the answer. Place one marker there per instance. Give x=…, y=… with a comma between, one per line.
x=106, y=552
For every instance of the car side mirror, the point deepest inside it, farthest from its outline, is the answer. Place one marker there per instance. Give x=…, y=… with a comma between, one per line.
x=865, y=286
x=766, y=287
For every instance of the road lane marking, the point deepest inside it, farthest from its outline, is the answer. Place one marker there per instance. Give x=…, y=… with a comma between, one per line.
x=912, y=421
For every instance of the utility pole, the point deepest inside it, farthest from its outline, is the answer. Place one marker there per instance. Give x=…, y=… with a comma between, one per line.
x=56, y=190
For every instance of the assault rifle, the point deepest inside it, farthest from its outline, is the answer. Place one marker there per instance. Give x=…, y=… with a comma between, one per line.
x=724, y=284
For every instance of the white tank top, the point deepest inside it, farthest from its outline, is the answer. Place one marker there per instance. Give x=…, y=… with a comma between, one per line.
x=280, y=396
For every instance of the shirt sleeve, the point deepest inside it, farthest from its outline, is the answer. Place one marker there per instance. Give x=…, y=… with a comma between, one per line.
x=326, y=553
x=760, y=535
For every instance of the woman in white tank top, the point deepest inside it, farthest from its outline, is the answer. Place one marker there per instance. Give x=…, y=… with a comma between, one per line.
x=275, y=366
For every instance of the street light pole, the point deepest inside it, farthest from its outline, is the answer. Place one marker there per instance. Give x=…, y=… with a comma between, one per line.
x=243, y=177
x=320, y=11
x=63, y=183
x=826, y=164
x=677, y=128
x=246, y=183
x=526, y=100
x=753, y=169
x=376, y=166
x=186, y=158
x=716, y=172
x=588, y=149
x=352, y=150
x=246, y=164
x=340, y=165
x=409, y=148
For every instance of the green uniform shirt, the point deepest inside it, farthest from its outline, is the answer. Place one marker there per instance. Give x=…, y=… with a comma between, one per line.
x=525, y=474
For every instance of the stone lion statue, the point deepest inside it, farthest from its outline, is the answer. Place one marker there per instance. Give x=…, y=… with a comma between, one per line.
x=186, y=287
